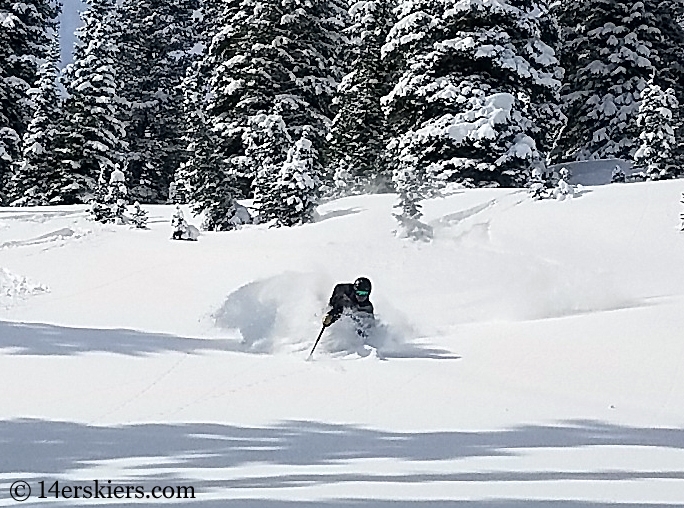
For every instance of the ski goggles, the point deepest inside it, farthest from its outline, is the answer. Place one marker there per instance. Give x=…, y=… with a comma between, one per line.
x=362, y=293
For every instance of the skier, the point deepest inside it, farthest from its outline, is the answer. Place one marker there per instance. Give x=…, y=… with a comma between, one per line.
x=352, y=300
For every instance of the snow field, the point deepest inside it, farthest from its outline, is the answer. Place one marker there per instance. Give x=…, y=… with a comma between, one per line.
x=531, y=355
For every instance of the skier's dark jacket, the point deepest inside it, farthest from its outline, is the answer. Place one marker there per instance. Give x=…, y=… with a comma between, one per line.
x=344, y=298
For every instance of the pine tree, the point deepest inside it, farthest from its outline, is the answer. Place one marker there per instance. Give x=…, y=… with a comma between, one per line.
x=204, y=179
x=26, y=31
x=670, y=46
x=292, y=195
x=411, y=185
x=537, y=186
x=208, y=178
x=618, y=175
x=267, y=57
x=156, y=42
x=248, y=78
x=117, y=194
x=37, y=178
x=474, y=101
x=111, y=197
x=563, y=187
x=314, y=50
x=266, y=140
x=178, y=223
x=10, y=96
x=139, y=217
x=95, y=132
x=609, y=51
x=359, y=132
x=197, y=137
x=229, y=85
x=658, y=120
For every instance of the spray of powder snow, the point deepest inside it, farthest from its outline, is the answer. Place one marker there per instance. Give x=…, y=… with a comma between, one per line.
x=282, y=314
x=494, y=281
x=392, y=336
x=273, y=315
x=530, y=287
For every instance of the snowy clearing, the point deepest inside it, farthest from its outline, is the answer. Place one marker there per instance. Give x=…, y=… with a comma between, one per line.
x=530, y=356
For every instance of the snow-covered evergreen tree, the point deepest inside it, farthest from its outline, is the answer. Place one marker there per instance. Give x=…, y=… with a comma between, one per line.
x=204, y=179
x=609, y=51
x=618, y=175
x=266, y=140
x=249, y=74
x=178, y=223
x=211, y=179
x=563, y=187
x=292, y=195
x=95, y=138
x=658, y=121
x=117, y=194
x=268, y=58
x=476, y=89
x=670, y=44
x=26, y=31
x=181, y=229
x=359, y=132
x=10, y=96
x=538, y=187
x=198, y=139
x=412, y=185
x=37, y=178
x=111, y=197
x=139, y=217
x=474, y=101
x=156, y=40
x=233, y=81
x=316, y=56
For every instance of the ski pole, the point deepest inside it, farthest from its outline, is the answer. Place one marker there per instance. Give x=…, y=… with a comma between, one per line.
x=320, y=334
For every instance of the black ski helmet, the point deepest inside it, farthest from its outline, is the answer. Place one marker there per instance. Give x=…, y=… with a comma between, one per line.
x=362, y=284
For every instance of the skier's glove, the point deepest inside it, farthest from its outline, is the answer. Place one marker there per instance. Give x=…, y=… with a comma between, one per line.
x=327, y=320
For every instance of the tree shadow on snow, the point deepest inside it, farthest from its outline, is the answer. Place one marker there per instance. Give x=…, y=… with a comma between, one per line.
x=392, y=503
x=167, y=453
x=51, y=340
x=48, y=340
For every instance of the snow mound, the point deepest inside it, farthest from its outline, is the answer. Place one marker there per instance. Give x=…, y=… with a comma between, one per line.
x=14, y=288
x=58, y=236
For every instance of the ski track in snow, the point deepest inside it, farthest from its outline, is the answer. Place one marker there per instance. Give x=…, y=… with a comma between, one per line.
x=459, y=224
x=19, y=215
x=59, y=237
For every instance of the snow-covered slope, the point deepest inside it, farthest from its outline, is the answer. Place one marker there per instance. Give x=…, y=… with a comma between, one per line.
x=531, y=355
